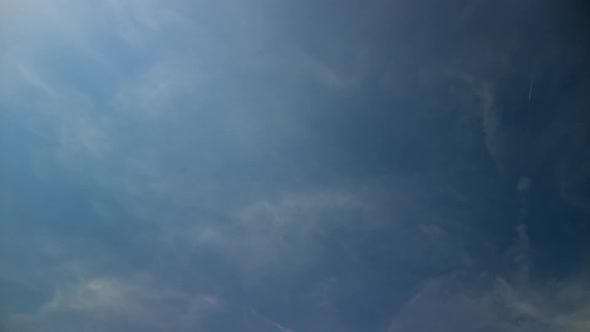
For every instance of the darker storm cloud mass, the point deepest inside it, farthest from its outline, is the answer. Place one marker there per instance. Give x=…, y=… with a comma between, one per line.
x=292, y=166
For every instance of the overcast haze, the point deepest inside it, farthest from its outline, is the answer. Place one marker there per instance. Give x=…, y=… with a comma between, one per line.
x=294, y=166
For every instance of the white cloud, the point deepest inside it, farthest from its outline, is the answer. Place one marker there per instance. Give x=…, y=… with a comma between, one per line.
x=163, y=87
x=140, y=22
x=519, y=303
x=491, y=121
x=449, y=305
x=136, y=300
x=80, y=138
x=32, y=78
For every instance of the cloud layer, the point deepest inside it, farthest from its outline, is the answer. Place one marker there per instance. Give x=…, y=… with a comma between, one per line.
x=293, y=166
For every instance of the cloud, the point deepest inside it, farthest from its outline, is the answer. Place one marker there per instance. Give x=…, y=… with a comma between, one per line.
x=81, y=138
x=134, y=300
x=139, y=23
x=263, y=235
x=518, y=302
x=491, y=121
x=33, y=79
x=234, y=162
x=432, y=230
x=304, y=65
x=449, y=304
x=164, y=88
x=524, y=185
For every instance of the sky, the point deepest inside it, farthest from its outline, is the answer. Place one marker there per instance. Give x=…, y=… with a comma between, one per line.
x=294, y=166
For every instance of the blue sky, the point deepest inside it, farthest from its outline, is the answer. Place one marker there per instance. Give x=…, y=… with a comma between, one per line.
x=293, y=166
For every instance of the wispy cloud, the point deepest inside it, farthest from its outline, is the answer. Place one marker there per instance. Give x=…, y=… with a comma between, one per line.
x=514, y=303
x=201, y=157
x=451, y=305
x=135, y=299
